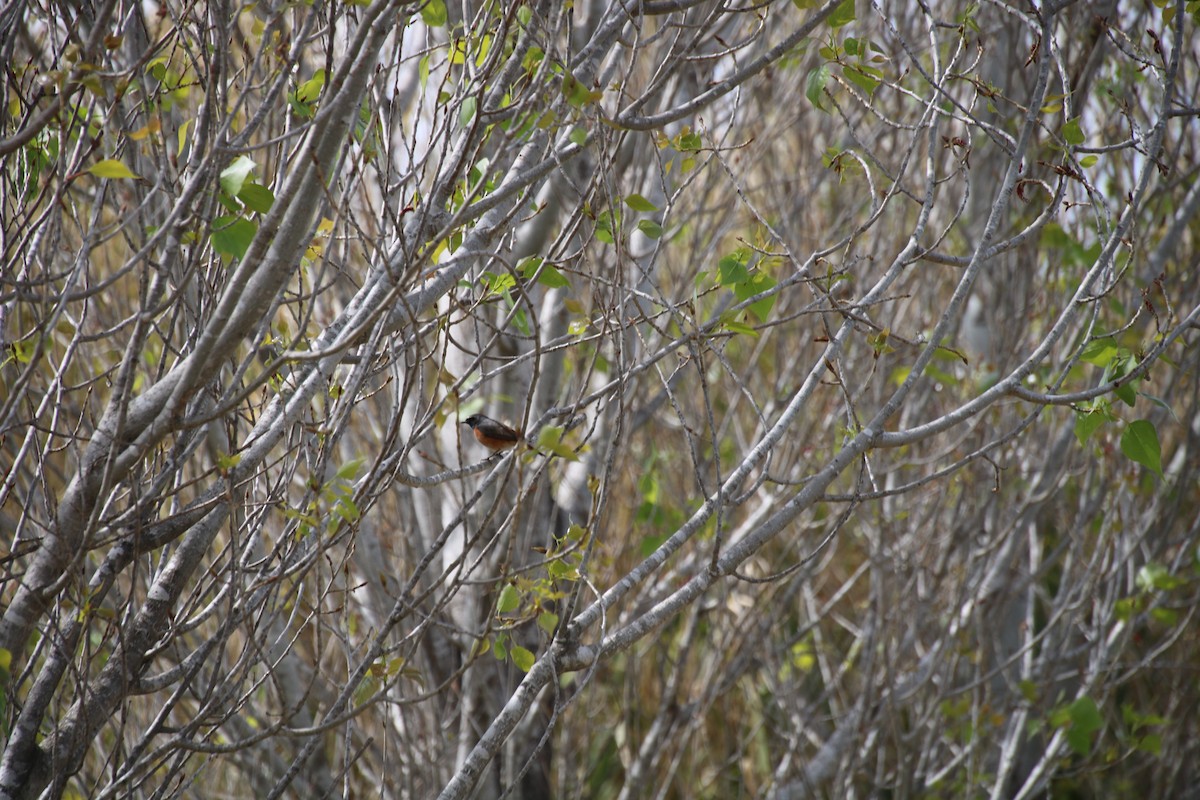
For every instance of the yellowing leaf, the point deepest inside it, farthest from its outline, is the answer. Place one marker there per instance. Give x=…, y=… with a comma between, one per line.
x=154, y=126
x=183, y=136
x=111, y=168
x=311, y=89
x=522, y=658
x=550, y=440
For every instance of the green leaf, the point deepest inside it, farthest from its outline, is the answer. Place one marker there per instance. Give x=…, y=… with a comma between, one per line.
x=1087, y=422
x=523, y=658
x=879, y=342
x=576, y=93
x=759, y=282
x=1085, y=720
x=1126, y=393
x=547, y=621
x=732, y=268
x=1156, y=577
x=842, y=15
x=232, y=237
x=534, y=56
x=434, y=13
x=689, y=142
x=510, y=599
x=1088, y=161
x=1150, y=743
x=520, y=321
x=814, y=85
x=229, y=204
x=733, y=326
x=257, y=197
x=1126, y=608
x=349, y=471
x=347, y=509
x=466, y=112
x=550, y=440
x=1139, y=443
x=111, y=168
x=1072, y=132
x=1100, y=352
x=498, y=283
x=650, y=228
x=607, y=224
x=547, y=274
x=861, y=79
x=940, y=375
x=529, y=267
x=1165, y=616
x=639, y=203
x=552, y=278
x=235, y=175
x=578, y=135
x=560, y=570
x=1158, y=401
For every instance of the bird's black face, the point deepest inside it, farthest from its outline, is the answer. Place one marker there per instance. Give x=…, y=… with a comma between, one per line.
x=472, y=420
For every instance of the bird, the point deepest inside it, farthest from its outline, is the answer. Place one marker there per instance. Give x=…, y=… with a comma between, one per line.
x=495, y=436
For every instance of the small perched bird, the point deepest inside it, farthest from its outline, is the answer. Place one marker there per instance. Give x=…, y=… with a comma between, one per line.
x=495, y=436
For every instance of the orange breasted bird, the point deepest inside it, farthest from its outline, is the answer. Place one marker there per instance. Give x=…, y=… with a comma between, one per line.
x=495, y=436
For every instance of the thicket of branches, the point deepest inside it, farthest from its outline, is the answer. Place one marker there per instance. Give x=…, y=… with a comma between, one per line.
x=854, y=345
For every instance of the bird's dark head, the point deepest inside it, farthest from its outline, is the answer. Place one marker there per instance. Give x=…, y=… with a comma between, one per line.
x=473, y=420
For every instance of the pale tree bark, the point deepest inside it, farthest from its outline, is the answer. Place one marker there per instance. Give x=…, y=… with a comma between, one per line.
x=853, y=344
